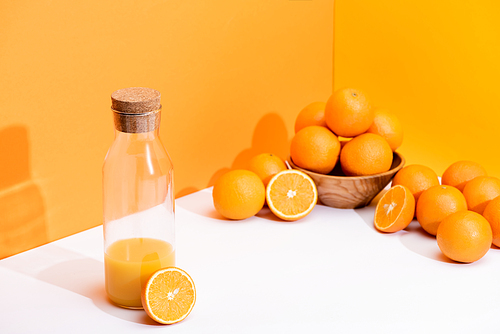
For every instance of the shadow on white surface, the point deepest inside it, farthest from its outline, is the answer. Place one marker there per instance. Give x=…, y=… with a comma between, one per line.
x=422, y=243
x=86, y=277
x=76, y=273
x=203, y=206
x=367, y=214
x=413, y=237
x=267, y=214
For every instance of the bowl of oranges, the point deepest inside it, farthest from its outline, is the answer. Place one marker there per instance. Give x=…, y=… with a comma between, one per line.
x=347, y=147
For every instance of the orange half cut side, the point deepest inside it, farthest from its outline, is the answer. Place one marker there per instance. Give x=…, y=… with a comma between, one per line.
x=395, y=210
x=291, y=194
x=169, y=295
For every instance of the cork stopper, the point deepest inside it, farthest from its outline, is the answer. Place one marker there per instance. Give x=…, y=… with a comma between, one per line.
x=136, y=109
x=135, y=100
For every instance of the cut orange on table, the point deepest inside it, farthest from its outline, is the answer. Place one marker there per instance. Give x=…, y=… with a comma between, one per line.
x=291, y=195
x=395, y=210
x=169, y=295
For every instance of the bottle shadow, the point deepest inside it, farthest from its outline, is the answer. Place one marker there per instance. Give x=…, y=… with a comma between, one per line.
x=73, y=272
x=86, y=277
x=23, y=222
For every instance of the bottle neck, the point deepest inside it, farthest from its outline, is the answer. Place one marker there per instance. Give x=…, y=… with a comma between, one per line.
x=137, y=123
x=141, y=136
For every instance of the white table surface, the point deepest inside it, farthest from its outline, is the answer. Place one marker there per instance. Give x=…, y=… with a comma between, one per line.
x=329, y=272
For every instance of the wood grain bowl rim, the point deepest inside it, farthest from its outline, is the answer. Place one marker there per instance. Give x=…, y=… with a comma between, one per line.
x=366, y=177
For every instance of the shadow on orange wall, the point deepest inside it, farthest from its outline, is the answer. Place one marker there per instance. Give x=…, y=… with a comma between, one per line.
x=270, y=136
x=23, y=224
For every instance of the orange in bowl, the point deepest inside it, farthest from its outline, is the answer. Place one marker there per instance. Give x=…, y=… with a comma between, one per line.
x=387, y=125
x=348, y=112
x=312, y=114
x=366, y=154
x=315, y=148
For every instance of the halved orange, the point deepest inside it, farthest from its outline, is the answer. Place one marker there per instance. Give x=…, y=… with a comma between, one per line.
x=291, y=194
x=169, y=295
x=395, y=210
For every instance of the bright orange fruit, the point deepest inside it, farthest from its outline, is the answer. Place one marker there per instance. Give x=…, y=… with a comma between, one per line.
x=388, y=126
x=366, y=154
x=464, y=236
x=315, y=148
x=395, y=210
x=417, y=178
x=239, y=194
x=266, y=165
x=437, y=203
x=461, y=172
x=312, y=114
x=169, y=295
x=348, y=112
x=492, y=215
x=291, y=194
x=480, y=191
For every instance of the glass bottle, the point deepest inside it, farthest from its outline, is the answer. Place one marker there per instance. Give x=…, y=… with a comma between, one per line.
x=138, y=197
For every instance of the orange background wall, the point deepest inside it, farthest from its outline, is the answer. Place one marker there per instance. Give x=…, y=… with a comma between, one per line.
x=233, y=75
x=436, y=64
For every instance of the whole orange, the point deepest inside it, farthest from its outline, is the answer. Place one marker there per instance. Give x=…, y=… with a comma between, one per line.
x=388, y=126
x=239, y=194
x=348, y=112
x=464, y=236
x=437, y=203
x=312, y=114
x=315, y=148
x=266, y=165
x=492, y=215
x=461, y=172
x=366, y=154
x=417, y=178
x=480, y=191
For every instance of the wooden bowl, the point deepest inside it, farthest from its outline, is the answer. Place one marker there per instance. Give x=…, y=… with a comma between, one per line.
x=348, y=192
